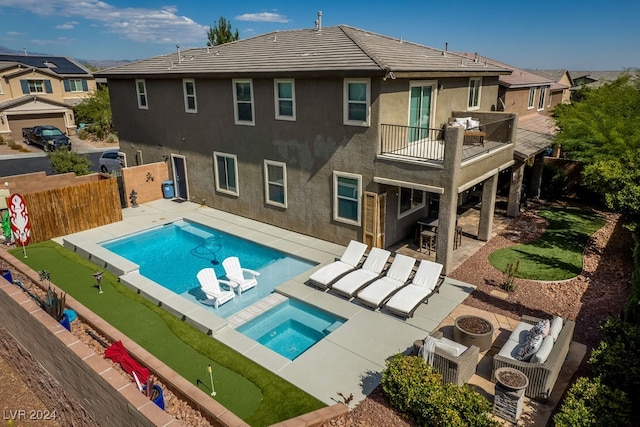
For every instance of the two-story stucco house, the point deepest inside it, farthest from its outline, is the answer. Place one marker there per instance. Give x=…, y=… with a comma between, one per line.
x=334, y=132
x=37, y=90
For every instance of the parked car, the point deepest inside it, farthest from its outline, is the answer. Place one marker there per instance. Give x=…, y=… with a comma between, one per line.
x=111, y=161
x=48, y=137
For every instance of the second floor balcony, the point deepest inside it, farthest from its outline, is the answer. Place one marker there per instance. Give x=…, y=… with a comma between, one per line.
x=427, y=145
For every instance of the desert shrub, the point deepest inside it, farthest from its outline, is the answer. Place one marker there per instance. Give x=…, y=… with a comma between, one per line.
x=415, y=388
x=83, y=134
x=591, y=403
x=616, y=360
x=2, y=140
x=112, y=138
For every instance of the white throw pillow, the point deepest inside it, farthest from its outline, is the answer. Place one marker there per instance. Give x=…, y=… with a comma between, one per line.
x=556, y=327
x=473, y=124
x=461, y=121
x=543, y=352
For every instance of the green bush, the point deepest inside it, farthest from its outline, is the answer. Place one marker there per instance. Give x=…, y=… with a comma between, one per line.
x=415, y=388
x=591, y=403
x=554, y=182
x=63, y=161
x=616, y=360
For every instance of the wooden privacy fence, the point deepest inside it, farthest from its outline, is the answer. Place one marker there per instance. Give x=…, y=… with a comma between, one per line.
x=61, y=211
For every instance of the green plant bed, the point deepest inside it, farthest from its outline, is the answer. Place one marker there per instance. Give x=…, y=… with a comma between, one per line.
x=250, y=391
x=557, y=254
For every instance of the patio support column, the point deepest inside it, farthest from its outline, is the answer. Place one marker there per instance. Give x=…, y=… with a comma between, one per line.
x=536, y=176
x=515, y=189
x=453, y=139
x=488, y=207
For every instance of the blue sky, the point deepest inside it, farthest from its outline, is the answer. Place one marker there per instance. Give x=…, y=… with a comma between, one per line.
x=589, y=35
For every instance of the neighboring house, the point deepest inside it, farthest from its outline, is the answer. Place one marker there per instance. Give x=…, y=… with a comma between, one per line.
x=37, y=90
x=334, y=132
x=561, y=89
x=594, y=79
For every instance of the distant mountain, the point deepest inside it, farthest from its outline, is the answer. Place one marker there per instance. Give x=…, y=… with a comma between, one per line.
x=99, y=64
x=7, y=51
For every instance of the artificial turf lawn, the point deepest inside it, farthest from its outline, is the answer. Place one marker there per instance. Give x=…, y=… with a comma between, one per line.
x=250, y=391
x=557, y=254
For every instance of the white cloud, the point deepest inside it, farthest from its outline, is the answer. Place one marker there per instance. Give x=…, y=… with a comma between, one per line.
x=67, y=26
x=161, y=25
x=262, y=17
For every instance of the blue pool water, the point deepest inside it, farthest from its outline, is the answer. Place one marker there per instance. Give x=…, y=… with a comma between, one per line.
x=172, y=255
x=291, y=327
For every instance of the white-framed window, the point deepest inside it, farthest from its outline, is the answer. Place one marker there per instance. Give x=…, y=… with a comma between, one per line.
x=189, y=89
x=141, y=91
x=532, y=97
x=410, y=201
x=75, y=85
x=226, y=170
x=36, y=86
x=275, y=183
x=357, y=101
x=285, y=99
x=474, y=93
x=243, y=100
x=543, y=92
x=347, y=199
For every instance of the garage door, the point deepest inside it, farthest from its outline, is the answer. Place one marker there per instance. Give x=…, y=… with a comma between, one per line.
x=16, y=123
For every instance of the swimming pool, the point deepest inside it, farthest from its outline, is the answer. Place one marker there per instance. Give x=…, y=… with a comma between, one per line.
x=172, y=255
x=291, y=327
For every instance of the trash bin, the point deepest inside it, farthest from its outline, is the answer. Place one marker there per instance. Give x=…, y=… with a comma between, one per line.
x=167, y=189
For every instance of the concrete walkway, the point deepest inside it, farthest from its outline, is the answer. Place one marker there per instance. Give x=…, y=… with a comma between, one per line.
x=347, y=361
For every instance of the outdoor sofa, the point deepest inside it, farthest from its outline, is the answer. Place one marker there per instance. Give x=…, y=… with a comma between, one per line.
x=456, y=362
x=542, y=374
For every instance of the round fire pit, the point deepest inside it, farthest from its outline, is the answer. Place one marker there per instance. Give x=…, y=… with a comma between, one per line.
x=511, y=379
x=473, y=330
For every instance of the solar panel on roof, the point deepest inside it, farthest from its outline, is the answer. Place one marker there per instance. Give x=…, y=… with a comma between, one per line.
x=57, y=64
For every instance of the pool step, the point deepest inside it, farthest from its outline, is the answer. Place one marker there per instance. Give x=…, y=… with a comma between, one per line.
x=332, y=327
x=256, y=309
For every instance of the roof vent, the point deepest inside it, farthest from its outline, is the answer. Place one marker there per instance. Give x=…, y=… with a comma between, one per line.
x=178, y=49
x=319, y=21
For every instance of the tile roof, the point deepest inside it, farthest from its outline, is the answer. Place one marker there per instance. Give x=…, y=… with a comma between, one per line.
x=339, y=49
x=535, y=133
x=57, y=64
x=517, y=78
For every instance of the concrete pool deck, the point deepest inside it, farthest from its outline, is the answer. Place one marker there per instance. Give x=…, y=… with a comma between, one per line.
x=347, y=361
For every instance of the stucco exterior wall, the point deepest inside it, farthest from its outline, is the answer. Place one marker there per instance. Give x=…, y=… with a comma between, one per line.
x=313, y=146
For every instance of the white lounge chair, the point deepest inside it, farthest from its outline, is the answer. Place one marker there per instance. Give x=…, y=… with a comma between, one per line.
x=425, y=282
x=241, y=278
x=349, y=260
x=351, y=283
x=375, y=294
x=210, y=285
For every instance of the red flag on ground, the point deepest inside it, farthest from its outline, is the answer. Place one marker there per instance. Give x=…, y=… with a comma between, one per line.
x=118, y=353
